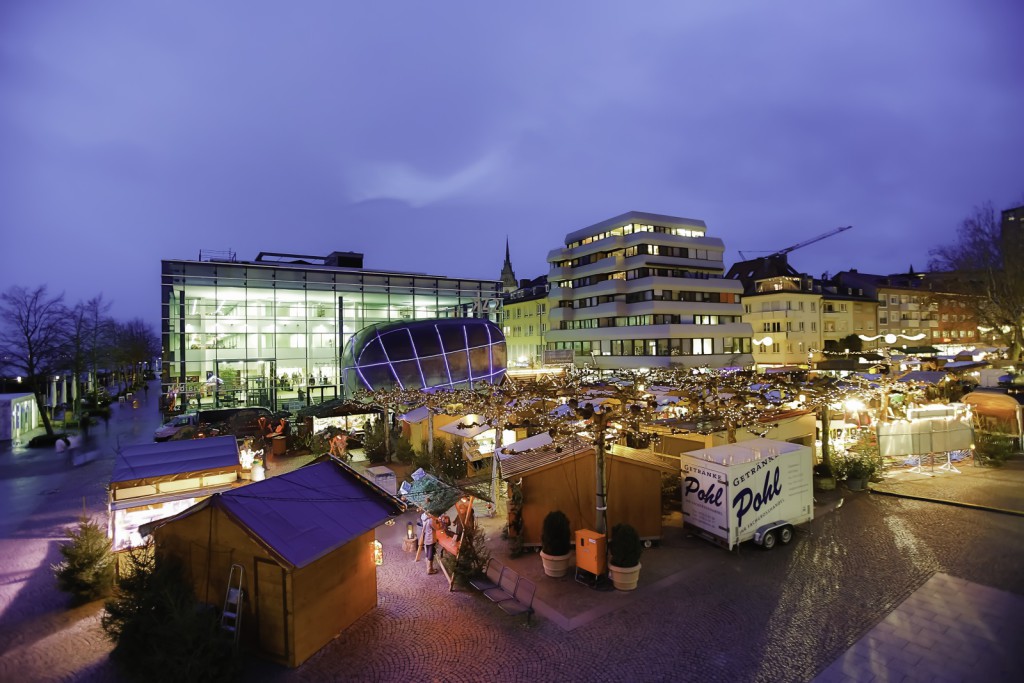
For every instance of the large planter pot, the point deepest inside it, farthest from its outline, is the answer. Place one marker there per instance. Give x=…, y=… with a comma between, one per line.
x=824, y=483
x=855, y=483
x=624, y=578
x=556, y=566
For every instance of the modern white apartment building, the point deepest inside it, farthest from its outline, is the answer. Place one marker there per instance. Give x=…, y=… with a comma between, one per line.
x=644, y=290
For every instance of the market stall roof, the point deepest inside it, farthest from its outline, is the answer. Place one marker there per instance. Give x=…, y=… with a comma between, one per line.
x=529, y=443
x=305, y=514
x=668, y=463
x=965, y=365
x=516, y=465
x=923, y=377
x=921, y=350
x=167, y=458
x=11, y=397
x=339, y=408
x=467, y=427
x=416, y=415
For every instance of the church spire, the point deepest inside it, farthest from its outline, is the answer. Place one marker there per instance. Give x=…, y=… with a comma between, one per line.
x=508, y=276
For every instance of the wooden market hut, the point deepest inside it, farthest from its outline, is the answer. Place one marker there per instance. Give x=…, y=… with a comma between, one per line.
x=305, y=543
x=562, y=477
x=155, y=480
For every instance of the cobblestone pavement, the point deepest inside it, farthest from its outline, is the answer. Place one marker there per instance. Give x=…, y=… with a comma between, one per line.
x=700, y=613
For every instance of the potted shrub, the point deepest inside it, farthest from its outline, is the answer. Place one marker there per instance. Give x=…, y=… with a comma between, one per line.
x=556, y=544
x=858, y=468
x=625, y=548
x=861, y=461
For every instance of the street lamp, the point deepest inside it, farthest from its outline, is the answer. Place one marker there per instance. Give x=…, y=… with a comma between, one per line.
x=767, y=341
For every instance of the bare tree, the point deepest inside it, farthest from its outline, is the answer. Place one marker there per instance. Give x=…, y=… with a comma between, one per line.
x=136, y=344
x=100, y=335
x=985, y=261
x=90, y=339
x=32, y=338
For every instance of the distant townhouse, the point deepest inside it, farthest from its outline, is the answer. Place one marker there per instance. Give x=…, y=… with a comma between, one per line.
x=785, y=315
x=645, y=290
x=796, y=318
x=525, y=323
x=910, y=304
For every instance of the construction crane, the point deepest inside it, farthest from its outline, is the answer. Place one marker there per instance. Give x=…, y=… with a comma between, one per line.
x=820, y=237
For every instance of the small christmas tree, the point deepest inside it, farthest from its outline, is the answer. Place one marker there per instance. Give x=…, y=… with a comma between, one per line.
x=87, y=570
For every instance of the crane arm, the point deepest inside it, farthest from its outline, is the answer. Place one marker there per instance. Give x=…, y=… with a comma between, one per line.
x=813, y=240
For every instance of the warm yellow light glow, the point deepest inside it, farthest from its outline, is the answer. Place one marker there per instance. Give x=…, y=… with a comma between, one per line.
x=378, y=553
x=854, y=404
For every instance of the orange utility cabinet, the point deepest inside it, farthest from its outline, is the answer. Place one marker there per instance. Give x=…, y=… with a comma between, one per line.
x=591, y=552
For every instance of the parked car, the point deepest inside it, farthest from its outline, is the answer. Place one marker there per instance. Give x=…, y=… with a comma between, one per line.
x=171, y=428
x=240, y=422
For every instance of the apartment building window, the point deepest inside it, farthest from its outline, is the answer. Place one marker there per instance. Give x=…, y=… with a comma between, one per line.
x=814, y=327
x=883, y=320
x=703, y=346
x=529, y=332
x=894, y=300
x=736, y=345
x=543, y=328
x=812, y=306
x=882, y=301
x=842, y=308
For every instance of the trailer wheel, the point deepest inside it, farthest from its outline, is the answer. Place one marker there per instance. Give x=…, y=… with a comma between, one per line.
x=768, y=540
x=785, y=534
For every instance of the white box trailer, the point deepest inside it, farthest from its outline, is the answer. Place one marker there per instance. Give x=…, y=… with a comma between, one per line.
x=754, y=490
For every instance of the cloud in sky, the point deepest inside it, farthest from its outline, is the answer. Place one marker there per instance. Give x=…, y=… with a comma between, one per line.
x=423, y=133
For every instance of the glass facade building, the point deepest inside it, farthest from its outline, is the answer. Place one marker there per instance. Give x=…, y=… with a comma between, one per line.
x=270, y=332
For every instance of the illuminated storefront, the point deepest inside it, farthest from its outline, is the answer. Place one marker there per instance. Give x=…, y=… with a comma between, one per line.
x=269, y=332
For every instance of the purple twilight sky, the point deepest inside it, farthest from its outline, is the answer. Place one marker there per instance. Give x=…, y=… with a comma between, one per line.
x=422, y=133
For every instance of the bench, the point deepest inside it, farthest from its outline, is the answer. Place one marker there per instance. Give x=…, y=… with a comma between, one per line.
x=491, y=577
x=503, y=586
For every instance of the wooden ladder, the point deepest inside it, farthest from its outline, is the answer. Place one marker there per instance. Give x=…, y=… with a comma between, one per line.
x=231, y=615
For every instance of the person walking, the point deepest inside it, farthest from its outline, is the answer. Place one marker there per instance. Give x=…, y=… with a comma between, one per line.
x=429, y=540
x=339, y=445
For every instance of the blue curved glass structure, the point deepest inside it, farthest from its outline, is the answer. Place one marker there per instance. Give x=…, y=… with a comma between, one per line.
x=423, y=354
